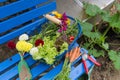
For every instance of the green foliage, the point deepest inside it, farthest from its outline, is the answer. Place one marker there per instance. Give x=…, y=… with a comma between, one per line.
x=48, y=51
x=87, y=31
x=95, y=41
x=105, y=16
x=113, y=20
x=63, y=47
x=86, y=28
x=96, y=36
x=105, y=46
x=96, y=52
x=115, y=57
x=63, y=75
x=92, y=10
x=93, y=38
x=118, y=6
x=72, y=29
x=48, y=29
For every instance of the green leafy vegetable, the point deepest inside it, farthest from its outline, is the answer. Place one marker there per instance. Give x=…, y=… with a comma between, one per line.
x=64, y=74
x=48, y=51
x=63, y=47
x=72, y=29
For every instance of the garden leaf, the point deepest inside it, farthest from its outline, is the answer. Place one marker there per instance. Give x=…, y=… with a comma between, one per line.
x=112, y=55
x=105, y=45
x=86, y=27
x=114, y=20
x=96, y=53
x=117, y=64
x=86, y=45
x=91, y=10
x=95, y=35
x=88, y=34
x=118, y=7
x=115, y=57
x=105, y=16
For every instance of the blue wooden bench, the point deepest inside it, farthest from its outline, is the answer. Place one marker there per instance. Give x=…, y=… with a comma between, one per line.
x=24, y=16
x=2, y=0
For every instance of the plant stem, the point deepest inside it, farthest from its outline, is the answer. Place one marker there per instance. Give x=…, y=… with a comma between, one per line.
x=73, y=26
x=86, y=19
x=21, y=55
x=106, y=31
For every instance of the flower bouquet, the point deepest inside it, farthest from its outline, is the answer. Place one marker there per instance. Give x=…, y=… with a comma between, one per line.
x=57, y=35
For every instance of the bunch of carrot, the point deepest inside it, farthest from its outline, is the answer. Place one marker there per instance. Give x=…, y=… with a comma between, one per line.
x=73, y=54
x=70, y=57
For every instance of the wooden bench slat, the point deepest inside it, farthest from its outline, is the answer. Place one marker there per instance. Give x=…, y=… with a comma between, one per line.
x=14, y=70
x=22, y=30
x=37, y=70
x=8, y=63
x=51, y=74
x=3, y=0
x=18, y=6
x=11, y=16
x=13, y=22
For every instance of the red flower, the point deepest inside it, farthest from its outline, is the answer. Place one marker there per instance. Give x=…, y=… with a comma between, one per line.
x=71, y=38
x=11, y=45
x=38, y=42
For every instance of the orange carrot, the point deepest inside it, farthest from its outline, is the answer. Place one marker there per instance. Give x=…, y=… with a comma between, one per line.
x=77, y=54
x=73, y=54
x=67, y=55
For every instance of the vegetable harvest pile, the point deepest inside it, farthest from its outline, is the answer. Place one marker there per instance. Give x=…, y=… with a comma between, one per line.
x=52, y=40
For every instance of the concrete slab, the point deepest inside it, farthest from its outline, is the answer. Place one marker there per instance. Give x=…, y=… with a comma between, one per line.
x=70, y=7
x=101, y=3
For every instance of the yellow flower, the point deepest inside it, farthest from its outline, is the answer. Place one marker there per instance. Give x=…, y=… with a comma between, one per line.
x=68, y=21
x=23, y=46
x=58, y=15
x=54, y=12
